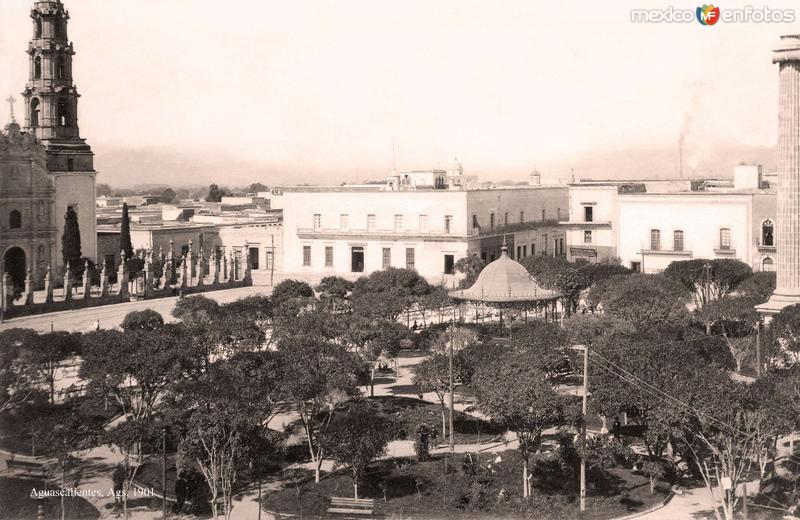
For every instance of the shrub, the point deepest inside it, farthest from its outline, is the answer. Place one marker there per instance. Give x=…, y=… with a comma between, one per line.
x=424, y=436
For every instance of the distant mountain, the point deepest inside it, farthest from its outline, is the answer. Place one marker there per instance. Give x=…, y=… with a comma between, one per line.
x=154, y=169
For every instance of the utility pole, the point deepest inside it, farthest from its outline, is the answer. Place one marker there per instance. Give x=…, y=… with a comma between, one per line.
x=585, y=350
x=758, y=347
x=164, y=471
x=452, y=389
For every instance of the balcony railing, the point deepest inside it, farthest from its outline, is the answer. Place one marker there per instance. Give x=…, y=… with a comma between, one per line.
x=377, y=233
x=724, y=249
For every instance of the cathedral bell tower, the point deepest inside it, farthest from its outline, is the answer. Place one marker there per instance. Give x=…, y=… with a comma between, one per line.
x=51, y=99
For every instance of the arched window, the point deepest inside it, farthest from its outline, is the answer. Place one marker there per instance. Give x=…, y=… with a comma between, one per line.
x=63, y=112
x=767, y=234
x=61, y=68
x=38, y=28
x=15, y=220
x=767, y=264
x=37, y=67
x=34, y=112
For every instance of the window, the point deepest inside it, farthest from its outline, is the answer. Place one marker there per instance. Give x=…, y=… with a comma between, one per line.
x=15, y=220
x=371, y=223
x=588, y=214
x=767, y=234
x=387, y=257
x=725, y=238
x=59, y=29
x=505, y=219
x=448, y=224
x=328, y=256
x=37, y=67
x=34, y=112
x=521, y=217
x=398, y=223
x=561, y=246
x=767, y=264
x=449, y=262
x=587, y=237
x=61, y=68
x=62, y=113
x=254, y=260
x=544, y=240
x=544, y=215
x=306, y=255
x=38, y=28
x=344, y=222
x=410, y=258
x=524, y=250
x=558, y=213
x=519, y=252
x=655, y=239
x=677, y=240
x=70, y=164
x=317, y=221
x=491, y=221
x=636, y=267
x=475, y=221
x=533, y=249
x=423, y=223
x=270, y=260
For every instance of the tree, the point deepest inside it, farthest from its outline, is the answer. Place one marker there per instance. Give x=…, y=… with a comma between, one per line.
x=736, y=317
x=46, y=352
x=125, y=243
x=318, y=373
x=558, y=274
x=470, y=266
x=195, y=310
x=334, y=291
x=147, y=319
x=17, y=376
x=645, y=300
x=71, y=241
x=113, y=365
x=257, y=187
x=782, y=340
x=215, y=193
x=433, y=375
x=708, y=280
x=375, y=340
x=221, y=416
x=518, y=397
x=438, y=300
x=290, y=296
x=545, y=345
x=102, y=190
x=388, y=293
x=168, y=196
x=760, y=286
x=356, y=436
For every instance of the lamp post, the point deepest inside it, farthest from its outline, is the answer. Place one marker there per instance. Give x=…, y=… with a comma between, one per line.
x=585, y=350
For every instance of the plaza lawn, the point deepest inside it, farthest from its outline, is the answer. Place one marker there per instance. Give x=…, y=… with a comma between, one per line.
x=16, y=503
x=441, y=488
x=410, y=412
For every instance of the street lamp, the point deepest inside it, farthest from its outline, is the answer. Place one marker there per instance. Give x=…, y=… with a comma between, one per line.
x=585, y=350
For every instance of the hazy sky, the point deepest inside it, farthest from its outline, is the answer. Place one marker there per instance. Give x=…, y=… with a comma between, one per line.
x=324, y=88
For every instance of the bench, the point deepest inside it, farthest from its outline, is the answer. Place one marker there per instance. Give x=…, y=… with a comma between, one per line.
x=355, y=506
x=24, y=465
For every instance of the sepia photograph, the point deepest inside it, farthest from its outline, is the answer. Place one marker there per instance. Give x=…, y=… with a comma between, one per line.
x=401, y=260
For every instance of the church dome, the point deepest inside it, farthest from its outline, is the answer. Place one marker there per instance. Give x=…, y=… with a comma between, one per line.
x=505, y=281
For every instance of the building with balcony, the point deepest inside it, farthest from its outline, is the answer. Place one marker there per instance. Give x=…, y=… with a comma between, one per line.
x=354, y=230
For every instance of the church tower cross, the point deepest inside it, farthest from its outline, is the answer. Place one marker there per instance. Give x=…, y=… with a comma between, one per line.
x=11, y=102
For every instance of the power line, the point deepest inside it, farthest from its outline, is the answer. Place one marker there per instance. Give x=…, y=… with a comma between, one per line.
x=659, y=393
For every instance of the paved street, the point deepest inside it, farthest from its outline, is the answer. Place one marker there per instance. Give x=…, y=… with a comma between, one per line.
x=110, y=316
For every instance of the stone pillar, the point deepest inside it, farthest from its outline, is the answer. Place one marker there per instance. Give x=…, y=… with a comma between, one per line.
x=122, y=278
x=190, y=259
x=48, y=286
x=67, y=285
x=184, y=273
x=165, y=270
x=28, y=296
x=224, y=260
x=86, y=281
x=104, y=280
x=148, y=277
x=171, y=253
x=5, y=285
x=787, y=290
x=246, y=260
x=200, y=268
x=232, y=262
x=212, y=266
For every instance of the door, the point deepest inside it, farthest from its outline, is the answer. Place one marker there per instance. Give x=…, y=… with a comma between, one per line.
x=253, y=258
x=449, y=261
x=14, y=265
x=357, y=259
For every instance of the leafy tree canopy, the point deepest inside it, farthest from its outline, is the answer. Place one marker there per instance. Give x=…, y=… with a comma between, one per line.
x=147, y=319
x=388, y=293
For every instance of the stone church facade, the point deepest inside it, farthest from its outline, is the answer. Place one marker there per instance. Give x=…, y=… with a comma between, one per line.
x=47, y=168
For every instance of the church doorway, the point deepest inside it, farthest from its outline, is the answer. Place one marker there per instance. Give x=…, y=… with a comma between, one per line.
x=14, y=265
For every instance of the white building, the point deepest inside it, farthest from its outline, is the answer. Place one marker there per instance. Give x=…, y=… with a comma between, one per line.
x=351, y=230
